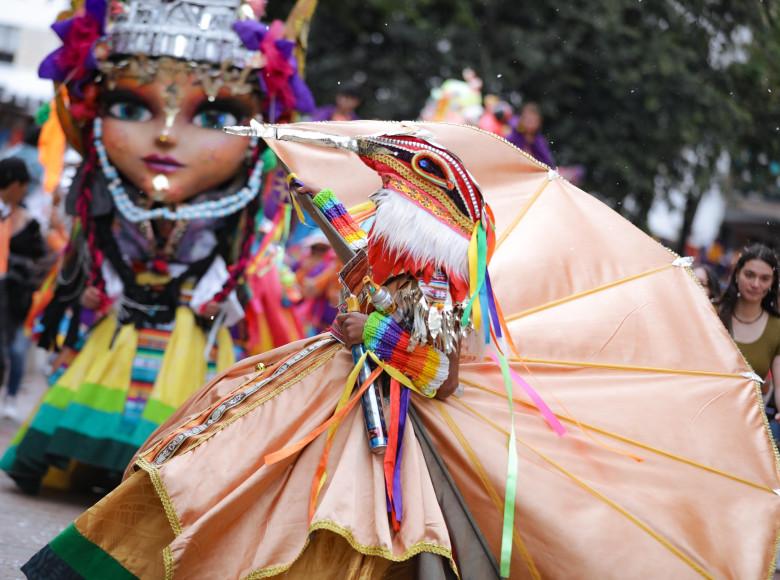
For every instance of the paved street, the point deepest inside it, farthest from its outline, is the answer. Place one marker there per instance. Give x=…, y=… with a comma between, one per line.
x=27, y=523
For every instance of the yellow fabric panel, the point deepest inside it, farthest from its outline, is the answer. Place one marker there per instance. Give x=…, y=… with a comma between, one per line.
x=96, y=344
x=226, y=357
x=183, y=367
x=329, y=551
x=113, y=367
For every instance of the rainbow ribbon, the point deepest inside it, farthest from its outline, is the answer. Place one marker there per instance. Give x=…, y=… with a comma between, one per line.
x=424, y=365
x=341, y=220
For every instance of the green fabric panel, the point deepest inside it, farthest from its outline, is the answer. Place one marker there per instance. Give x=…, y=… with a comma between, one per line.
x=101, y=398
x=59, y=397
x=87, y=558
x=46, y=419
x=157, y=411
x=105, y=453
x=19, y=435
x=34, y=450
x=8, y=458
x=101, y=425
x=31, y=460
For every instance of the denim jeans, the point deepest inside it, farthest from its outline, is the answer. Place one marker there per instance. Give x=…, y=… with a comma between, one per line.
x=17, y=346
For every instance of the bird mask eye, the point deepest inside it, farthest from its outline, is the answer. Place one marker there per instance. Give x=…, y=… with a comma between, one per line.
x=433, y=168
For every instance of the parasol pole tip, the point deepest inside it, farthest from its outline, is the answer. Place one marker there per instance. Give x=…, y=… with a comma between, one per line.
x=255, y=129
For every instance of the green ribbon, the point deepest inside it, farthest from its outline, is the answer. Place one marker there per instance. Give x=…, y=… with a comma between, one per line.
x=511, y=474
x=481, y=269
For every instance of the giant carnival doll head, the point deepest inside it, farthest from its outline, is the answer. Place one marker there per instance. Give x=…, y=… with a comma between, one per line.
x=144, y=87
x=149, y=81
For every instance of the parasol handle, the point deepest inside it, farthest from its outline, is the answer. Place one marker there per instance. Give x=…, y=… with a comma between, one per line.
x=371, y=400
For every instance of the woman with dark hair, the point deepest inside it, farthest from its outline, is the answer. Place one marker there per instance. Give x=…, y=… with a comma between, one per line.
x=706, y=276
x=527, y=134
x=21, y=244
x=748, y=308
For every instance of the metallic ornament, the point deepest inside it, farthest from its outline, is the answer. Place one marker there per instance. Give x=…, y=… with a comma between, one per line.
x=190, y=30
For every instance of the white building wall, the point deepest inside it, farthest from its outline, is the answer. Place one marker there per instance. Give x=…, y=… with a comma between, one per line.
x=19, y=82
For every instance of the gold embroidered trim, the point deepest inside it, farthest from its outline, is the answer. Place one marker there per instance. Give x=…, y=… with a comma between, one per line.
x=377, y=551
x=326, y=356
x=168, y=562
x=179, y=438
x=162, y=493
x=451, y=214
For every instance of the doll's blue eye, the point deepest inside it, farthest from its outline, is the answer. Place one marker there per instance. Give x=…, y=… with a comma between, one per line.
x=214, y=119
x=129, y=111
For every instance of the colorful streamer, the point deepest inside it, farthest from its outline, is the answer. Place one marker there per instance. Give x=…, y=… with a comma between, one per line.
x=427, y=367
x=341, y=220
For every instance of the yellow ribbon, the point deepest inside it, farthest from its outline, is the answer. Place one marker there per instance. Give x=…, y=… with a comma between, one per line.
x=396, y=374
x=298, y=211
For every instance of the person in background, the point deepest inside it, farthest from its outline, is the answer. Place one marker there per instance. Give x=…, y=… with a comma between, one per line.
x=347, y=101
x=37, y=202
x=527, y=135
x=706, y=276
x=749, y=311
x=23, y=246
x=496, y=117
x=317, y=276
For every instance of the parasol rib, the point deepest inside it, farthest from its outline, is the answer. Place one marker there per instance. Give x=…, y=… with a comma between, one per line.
x=623, y=439
x=505, y=234
x=624, y=367
x=613, y=504
x=485, y=480
x=596, y=290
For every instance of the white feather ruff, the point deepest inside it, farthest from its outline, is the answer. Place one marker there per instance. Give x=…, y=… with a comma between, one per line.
x=402, y=226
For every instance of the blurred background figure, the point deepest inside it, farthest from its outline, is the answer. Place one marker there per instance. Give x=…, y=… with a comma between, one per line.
x=36, y=202
x=348, y=99
x=317, y=276
x=748, y=308
x=496, y=117
x=709, y=281
x=527, y=134
x=22, y=246
x=456, y=101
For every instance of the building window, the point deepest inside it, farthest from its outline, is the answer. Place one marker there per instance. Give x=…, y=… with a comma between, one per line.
x=9, y=42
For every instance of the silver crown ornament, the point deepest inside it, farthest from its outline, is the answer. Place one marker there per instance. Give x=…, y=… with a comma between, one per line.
x=191, y=30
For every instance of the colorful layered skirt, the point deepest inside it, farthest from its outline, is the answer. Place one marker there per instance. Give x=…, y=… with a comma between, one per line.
x=232, y=486
x=115, y=392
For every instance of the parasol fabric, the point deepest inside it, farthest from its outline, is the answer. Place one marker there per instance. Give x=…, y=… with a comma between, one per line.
x=668, y=467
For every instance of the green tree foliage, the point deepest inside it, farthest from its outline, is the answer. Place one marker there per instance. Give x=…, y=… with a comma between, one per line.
x=647, y=95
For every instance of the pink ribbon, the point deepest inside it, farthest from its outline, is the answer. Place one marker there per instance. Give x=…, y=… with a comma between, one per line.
x=546, y=412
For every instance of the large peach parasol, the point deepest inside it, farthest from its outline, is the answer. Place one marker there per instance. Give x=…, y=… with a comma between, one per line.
x=668, y=467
